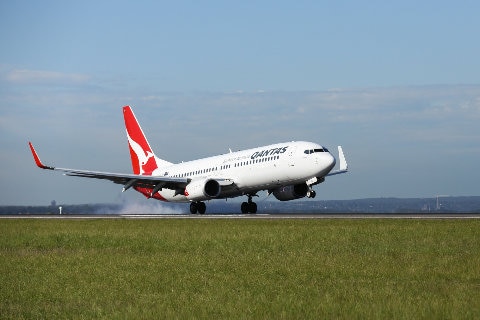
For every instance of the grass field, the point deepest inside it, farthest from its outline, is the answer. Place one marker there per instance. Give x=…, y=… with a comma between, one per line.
x=221, y=268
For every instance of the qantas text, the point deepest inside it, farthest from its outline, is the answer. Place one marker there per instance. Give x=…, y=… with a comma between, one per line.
x=270, y=152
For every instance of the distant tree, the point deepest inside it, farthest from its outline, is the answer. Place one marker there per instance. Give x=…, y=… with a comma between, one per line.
x=53, y=203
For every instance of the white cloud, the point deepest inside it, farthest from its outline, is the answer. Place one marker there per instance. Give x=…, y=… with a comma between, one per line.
x=43, y=77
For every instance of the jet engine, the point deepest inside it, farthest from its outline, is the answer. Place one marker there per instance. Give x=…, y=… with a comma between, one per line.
x=292, y=192
x=199, y=190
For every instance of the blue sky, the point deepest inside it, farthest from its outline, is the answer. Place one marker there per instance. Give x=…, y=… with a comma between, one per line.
x=397, y=84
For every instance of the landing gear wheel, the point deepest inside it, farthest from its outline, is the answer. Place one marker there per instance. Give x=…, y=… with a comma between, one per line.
x=252, y=207
x=193, y=208
x=202, y=207
x=249, y=207
x=244, y=207
x=311, y=194
x=199, y=207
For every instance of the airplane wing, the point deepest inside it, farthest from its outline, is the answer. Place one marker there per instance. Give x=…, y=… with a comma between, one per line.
x=128, y=180
x=343, y=163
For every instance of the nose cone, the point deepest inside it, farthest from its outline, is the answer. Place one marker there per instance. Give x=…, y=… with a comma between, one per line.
x=326, y=162
x=330, y=161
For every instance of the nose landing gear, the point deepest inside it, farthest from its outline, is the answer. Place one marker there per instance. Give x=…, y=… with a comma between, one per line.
x=311, y=193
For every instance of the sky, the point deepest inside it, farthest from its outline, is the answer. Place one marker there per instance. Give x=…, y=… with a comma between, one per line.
x=397, y=84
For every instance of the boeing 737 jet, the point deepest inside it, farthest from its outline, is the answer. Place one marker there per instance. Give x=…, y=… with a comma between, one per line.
x=287, y=170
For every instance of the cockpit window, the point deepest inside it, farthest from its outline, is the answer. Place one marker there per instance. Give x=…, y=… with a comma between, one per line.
x=315, y=150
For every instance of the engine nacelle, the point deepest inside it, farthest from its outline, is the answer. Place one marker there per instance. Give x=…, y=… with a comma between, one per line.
x=292, y=192
x=198, y=190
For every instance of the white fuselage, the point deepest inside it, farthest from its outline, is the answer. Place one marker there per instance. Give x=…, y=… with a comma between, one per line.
x=252, y=170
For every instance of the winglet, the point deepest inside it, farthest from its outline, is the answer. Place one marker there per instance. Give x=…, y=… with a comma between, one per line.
x=37, y=159
x=343, y=161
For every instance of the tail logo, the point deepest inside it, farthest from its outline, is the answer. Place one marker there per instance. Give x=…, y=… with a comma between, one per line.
x=145, y=158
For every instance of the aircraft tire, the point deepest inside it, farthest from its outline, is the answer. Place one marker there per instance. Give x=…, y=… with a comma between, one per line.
x=252, y=207
x=244, y=207
x=193, y=208
x=202, y=207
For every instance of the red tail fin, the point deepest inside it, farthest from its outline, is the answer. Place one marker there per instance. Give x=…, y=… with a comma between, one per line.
x=143, y=158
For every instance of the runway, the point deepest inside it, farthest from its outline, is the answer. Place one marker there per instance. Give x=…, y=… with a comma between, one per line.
x=423, y=216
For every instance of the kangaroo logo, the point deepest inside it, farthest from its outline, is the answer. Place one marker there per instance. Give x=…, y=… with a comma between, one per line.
x=145, y=158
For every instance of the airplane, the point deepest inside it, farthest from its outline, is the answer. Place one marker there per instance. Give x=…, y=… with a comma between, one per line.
x=287, y=170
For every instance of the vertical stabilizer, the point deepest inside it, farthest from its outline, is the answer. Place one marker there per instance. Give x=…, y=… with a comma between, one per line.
x=144, y=161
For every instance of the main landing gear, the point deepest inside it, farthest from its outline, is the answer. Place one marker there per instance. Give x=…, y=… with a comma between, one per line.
x=246, y=207
x=249, y=207
x=199, y=207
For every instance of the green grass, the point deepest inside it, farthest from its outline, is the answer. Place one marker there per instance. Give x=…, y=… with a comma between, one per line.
x=220, y=268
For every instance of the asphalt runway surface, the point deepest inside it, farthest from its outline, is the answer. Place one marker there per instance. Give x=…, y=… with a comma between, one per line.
x=251, y=216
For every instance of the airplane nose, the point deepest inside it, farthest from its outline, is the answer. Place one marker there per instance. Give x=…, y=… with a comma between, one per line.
x=326, y=162
x=331, y=160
